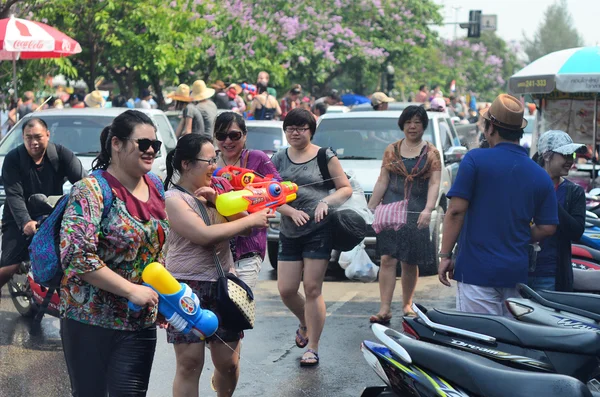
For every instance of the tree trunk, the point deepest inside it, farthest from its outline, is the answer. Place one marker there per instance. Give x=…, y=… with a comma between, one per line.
x=155, y=80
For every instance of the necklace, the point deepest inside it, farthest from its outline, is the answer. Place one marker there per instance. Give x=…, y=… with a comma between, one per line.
x=225, y=162
x=411, y=148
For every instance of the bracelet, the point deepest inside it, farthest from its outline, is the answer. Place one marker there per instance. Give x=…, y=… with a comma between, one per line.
x=442, y=255
x=324, y=202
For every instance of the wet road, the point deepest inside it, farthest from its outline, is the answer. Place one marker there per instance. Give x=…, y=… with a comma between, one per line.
x=32, y=363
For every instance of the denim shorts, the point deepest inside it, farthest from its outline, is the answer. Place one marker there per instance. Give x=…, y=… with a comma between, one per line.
x=315, y=245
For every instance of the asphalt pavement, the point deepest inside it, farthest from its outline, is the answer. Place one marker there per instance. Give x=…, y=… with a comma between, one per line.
x=32, y=363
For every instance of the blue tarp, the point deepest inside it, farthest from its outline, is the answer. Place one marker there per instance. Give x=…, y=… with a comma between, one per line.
x=354, y=99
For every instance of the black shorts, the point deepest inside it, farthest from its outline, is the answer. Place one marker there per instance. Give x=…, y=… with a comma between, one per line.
x=315, y=245
x=15, y=245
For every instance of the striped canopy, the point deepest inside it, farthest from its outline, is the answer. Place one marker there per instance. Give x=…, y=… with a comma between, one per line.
x=576, y=70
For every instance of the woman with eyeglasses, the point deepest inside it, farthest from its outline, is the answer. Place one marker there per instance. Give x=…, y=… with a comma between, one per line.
x=305, y=240
x=190, y=260
x=231, y=134
x=109, y=348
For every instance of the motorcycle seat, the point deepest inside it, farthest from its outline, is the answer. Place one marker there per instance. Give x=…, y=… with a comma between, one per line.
x=485, y=377
x=587, y=302
x=521, y=334
x=592, y=221
x=583, y=251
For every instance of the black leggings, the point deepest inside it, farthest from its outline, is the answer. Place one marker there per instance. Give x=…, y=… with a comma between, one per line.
x=104, y=361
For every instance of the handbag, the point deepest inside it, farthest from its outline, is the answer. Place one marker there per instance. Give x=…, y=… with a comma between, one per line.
x=234, y=299
x=393, y=216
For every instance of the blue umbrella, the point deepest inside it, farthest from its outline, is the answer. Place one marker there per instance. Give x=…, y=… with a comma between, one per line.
x=354, y=99
x=572, y=70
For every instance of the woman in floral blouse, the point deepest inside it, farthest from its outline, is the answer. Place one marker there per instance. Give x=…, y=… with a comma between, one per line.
x=108, y=348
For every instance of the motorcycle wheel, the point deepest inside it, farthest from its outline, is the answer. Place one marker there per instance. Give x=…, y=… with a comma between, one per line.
x=23, y=301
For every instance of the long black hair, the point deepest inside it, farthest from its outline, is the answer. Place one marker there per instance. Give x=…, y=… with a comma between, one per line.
x=225, y=119
x=187, y=149
x=121, y=127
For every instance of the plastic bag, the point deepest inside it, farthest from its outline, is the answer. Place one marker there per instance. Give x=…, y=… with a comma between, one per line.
x=357, y=202
x=346, y=257
x=361, y=267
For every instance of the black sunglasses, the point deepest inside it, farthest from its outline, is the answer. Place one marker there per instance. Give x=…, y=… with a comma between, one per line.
x=144, y=144
x=233, y=135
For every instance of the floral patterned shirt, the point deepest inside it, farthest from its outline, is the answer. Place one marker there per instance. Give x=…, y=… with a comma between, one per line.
x=124, y=241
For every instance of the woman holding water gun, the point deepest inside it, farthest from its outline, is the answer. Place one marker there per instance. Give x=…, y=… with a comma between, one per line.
x=190, y=260
x=305, y=240
x=230, y=134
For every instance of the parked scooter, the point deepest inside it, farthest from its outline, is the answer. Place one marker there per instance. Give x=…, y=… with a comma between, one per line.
x=557, y=309
x=28, y=296
x=411, y=367
x=586, y=265
x=521, y=346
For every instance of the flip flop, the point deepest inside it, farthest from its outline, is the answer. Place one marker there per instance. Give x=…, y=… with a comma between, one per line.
x=314, y=360
x=301, y=341
x=380, y=319
x=410, y=313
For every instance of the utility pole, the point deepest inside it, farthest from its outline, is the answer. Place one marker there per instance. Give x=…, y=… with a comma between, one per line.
x=456, y=9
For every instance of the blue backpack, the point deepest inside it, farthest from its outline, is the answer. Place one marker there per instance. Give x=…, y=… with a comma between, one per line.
x=44, y=250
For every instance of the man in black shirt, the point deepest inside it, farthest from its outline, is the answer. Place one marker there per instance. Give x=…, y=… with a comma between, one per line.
x=37, y=166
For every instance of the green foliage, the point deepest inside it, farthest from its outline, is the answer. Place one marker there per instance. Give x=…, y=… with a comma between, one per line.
x=556, y=32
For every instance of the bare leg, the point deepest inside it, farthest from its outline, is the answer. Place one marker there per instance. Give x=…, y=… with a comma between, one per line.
x=410, y=275
x=289, y=275
x=190, y=361
x=226, y=358
x=387, y=283
x=315, y=310
x=6, y=273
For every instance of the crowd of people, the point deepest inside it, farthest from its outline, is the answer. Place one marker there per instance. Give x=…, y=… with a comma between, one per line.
x=501, y=204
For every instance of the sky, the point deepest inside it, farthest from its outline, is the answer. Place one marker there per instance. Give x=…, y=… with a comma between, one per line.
x=517, y=18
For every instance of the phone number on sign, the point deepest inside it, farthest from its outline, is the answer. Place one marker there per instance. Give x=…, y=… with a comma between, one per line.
x=533, y=83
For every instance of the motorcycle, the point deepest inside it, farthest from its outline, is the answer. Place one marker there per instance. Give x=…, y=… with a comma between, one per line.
x=557, y=309
x=521, y=346
x=410, y=367
x=586, y=263
x=30, y=298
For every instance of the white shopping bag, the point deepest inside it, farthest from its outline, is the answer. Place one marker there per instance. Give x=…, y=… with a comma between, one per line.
x=361, y=267
x=347, y=256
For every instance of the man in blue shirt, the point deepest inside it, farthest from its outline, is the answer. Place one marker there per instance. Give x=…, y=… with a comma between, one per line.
x=497, y=194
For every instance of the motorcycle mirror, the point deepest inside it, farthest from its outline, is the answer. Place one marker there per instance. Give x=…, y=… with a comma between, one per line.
x=382, y=333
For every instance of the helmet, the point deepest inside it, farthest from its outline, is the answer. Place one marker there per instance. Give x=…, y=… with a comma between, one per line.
x=438, y=105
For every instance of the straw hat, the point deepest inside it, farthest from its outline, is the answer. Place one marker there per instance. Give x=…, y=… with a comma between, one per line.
x=219, y=85
x=200, y=91
x=94, y=100
x=182, y=93
x=506, y=112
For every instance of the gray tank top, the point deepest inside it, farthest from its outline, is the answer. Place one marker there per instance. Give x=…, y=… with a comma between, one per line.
x=311, y=189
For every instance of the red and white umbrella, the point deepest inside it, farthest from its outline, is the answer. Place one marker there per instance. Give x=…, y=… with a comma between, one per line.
x=23, y=39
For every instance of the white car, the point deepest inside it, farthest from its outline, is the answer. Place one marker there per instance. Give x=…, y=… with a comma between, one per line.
x=79, y=130
x=360, y=138
x=265, y=135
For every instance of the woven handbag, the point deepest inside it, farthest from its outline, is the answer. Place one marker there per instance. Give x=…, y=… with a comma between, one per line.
x=234, y=300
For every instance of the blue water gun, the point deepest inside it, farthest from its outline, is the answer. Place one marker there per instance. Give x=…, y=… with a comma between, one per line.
x=178, y=303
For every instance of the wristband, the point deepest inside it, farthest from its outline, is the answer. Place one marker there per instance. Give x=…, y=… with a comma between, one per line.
x=442, y=255
x=324, y=202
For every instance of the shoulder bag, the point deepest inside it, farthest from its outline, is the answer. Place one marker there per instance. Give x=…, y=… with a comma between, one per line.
x=234, y=300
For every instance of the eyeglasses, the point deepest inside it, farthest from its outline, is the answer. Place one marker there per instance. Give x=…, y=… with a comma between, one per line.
x=209, y=161
x=144, y=144
x=233, y=135
x=300, y=130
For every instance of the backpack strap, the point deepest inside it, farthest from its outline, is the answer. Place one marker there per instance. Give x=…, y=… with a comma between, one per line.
x=322, y=162
x=52, y=154
x=107, y=194
x=158, y=183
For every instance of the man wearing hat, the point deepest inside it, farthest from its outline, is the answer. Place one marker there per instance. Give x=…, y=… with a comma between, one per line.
x=380, y=101
x=94, y=100
x=192, y=121
x=500, y=202
x=200, y=96
x=221, y=99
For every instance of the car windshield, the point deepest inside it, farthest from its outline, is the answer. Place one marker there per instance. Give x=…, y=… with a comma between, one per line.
x=81, y=134
x=361, y=138
x=265, y=138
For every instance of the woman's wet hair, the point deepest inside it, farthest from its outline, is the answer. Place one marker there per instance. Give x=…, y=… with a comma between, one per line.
x=300, y=117
x=32, y=122
x=411, y=111
x=261, y=87
x=225, y=119
x=121, y=127
x=187, y=149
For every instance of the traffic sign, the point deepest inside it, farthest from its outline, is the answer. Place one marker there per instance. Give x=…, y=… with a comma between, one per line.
x=489, y=22
x=474, y=23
